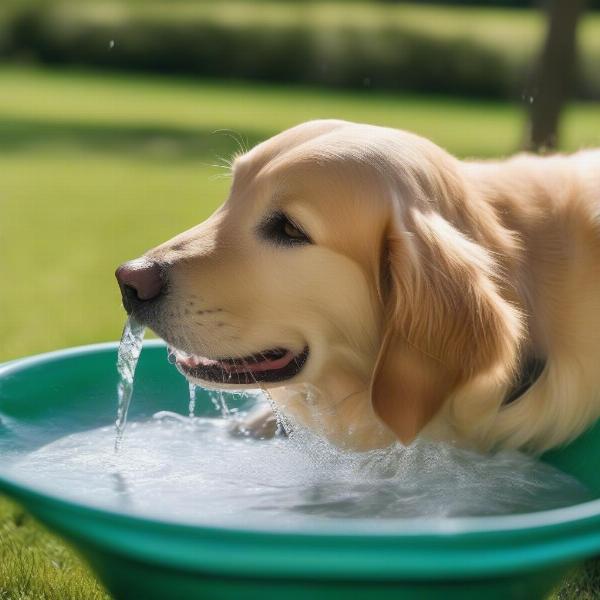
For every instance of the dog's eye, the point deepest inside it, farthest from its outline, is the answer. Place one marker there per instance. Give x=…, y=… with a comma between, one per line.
x=278, y=228
x=292, y=231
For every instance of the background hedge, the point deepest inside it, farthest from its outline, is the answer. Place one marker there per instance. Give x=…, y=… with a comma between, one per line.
x=413, y=47
x=593, y=4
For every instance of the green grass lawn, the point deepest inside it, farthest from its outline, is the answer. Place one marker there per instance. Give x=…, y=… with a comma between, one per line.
x=95, y=169
x=35, y=565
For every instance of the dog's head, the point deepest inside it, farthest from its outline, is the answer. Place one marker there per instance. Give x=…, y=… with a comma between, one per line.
x=344, y=253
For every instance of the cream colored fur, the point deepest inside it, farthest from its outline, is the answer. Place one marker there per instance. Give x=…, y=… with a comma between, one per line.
x=427, y=280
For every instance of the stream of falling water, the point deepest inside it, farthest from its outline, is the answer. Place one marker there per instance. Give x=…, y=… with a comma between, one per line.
x=218, y=401
x=127, y=359
x=225, y=413
x=192, y=403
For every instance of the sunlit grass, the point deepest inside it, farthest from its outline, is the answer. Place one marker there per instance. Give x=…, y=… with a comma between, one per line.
x=34, y=565
x=69, y=98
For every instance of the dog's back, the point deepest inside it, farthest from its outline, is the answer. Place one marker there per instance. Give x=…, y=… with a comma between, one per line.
x=553, y=204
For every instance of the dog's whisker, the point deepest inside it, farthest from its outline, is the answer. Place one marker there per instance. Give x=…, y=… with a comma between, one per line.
x=220, y=176
x=236, y=137
x=226, y=167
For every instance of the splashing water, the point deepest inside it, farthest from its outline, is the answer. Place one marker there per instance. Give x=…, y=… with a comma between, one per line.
x=127, y=359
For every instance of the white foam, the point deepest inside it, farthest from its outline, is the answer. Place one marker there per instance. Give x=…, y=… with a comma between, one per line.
x=195, y=471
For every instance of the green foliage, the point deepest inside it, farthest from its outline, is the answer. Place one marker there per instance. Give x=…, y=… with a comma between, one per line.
x=595, y=4
x=394, y=46
x=510, y=3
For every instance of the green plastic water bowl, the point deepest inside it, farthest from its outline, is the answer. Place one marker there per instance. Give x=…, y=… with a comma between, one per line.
x=46, y=397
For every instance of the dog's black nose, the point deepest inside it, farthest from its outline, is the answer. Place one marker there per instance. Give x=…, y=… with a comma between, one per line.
x=140, y=280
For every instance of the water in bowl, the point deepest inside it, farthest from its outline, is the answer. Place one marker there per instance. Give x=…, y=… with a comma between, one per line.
x=192, y=470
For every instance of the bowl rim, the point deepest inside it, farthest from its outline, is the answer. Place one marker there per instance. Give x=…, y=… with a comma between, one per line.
x=546, y=522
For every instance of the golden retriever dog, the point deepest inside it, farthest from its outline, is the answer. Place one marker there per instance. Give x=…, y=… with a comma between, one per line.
x=381, y=289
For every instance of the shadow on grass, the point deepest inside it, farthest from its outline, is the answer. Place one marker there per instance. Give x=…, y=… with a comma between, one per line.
x=143, y=140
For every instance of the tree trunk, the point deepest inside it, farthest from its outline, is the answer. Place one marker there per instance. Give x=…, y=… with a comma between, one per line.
x=555, y=74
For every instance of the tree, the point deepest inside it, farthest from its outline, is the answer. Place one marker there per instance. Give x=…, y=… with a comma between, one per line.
x=554, y=74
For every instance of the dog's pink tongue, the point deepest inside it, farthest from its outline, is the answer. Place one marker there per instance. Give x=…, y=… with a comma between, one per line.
x=266, y=364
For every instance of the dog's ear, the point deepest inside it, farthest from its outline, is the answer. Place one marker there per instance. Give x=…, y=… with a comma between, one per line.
x=445, y=321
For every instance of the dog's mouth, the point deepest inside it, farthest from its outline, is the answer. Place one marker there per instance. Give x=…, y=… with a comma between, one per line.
x=276, y=364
